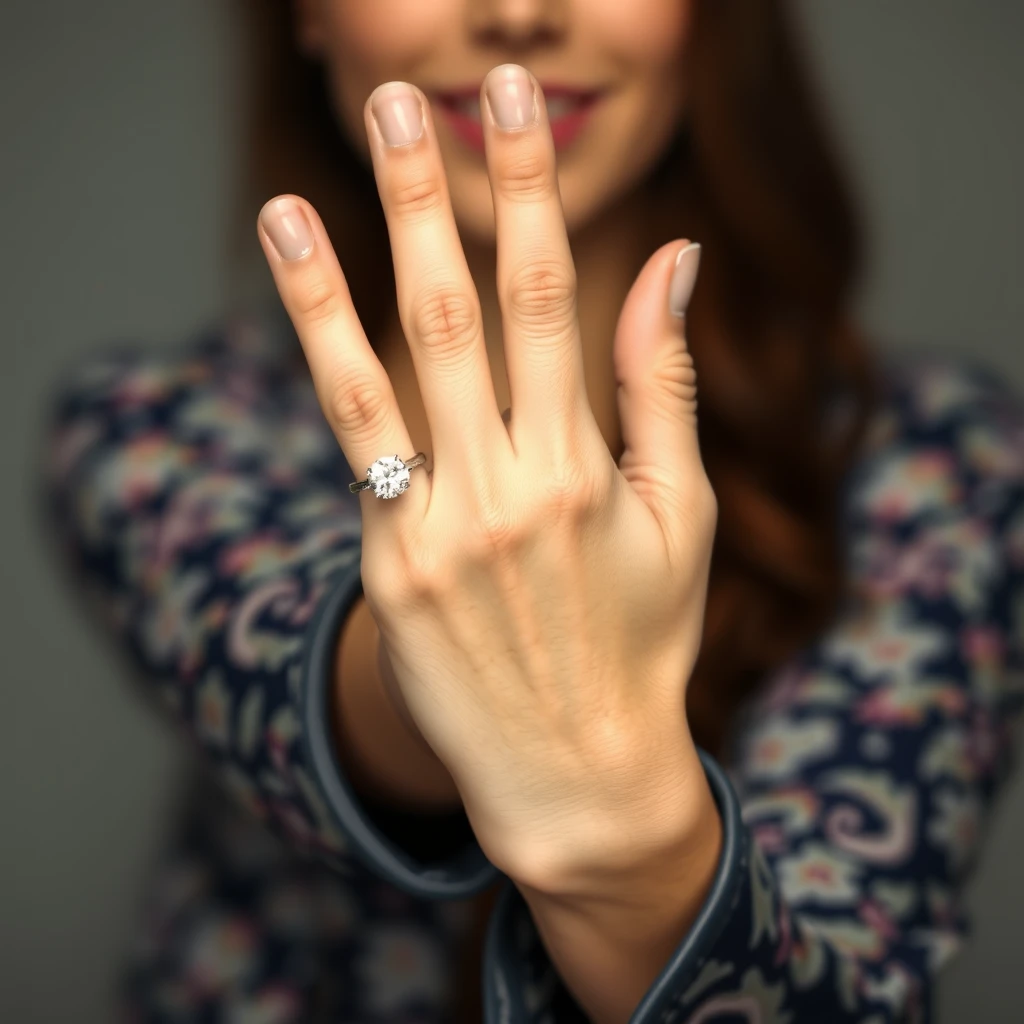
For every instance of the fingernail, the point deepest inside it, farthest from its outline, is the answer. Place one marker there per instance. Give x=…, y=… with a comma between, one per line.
x=683, y=279
x=398, y=112
x=287, y=227
x=510, y=96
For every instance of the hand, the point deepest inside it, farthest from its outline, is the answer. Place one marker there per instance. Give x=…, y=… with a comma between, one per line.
x=541, y=607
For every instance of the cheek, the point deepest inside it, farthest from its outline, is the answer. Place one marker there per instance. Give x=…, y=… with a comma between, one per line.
x=383, y=31
x=647, y=40
x=374, y=41
x=645, y=34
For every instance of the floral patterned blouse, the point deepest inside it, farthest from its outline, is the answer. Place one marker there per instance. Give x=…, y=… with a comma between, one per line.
x=202, y=500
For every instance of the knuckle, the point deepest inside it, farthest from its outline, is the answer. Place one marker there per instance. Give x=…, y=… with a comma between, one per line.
x=500, y=533
x=423, y=577
x=528, y=176
x=542, y=292
x=446, y=322
x=358, y=405
x=566, y=501
x=319, y=304
x=572, y=491
x=418, y=197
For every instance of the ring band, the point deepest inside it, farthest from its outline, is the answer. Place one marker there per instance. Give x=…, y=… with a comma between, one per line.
x=388, y=476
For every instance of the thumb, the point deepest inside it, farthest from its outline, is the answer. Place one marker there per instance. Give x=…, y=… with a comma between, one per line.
x=657, y=391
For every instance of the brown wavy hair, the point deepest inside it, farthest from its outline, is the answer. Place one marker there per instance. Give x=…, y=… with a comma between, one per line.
x=786, y=382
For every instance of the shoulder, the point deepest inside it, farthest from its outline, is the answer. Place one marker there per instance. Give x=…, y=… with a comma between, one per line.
x=948, y=433
x=131, y=371
x=948, y=397
x=221, y=388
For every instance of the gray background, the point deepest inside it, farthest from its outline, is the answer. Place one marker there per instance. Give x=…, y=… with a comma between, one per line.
x=117, y=153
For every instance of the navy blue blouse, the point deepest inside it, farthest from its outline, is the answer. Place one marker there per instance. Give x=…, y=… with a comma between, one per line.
x=203, y=502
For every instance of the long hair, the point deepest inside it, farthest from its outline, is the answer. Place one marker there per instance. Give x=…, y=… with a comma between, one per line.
x=786, y=383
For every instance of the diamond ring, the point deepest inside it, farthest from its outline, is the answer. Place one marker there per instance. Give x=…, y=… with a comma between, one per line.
x=388, y=476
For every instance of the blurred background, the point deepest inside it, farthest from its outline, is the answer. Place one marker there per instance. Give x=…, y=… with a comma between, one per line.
x=117, y=158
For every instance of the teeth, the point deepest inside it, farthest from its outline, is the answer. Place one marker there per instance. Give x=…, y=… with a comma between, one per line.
x=558, y=106
x=470, y=107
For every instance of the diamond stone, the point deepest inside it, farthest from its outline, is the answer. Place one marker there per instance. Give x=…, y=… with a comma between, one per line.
x=389, y=477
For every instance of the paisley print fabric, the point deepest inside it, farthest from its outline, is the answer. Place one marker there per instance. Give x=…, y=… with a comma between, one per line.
x=201, y=502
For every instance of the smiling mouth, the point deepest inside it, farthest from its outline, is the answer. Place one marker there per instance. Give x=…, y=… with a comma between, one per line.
x=558, y=106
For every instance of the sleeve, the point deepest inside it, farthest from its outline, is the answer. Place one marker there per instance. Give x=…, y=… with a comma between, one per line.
x=200, y=502
x=862, y=781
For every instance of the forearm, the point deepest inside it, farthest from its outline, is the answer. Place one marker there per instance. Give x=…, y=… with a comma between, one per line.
x=609, y=944
x=384, y=759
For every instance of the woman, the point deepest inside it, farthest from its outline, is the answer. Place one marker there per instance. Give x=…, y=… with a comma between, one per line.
x=532, y=661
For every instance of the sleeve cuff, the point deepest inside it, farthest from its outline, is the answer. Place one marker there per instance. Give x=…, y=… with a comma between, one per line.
x=521, y=985
x=375, y=835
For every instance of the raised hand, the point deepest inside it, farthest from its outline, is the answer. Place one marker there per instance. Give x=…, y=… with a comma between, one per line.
x=541, y=607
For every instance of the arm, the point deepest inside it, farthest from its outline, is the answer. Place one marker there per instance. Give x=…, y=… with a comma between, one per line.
x=201, y=499
x=866, y=773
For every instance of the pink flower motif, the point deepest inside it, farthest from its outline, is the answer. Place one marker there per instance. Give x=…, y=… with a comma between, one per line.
x=769, y=836
x=907, y=702
x=785, y=925
x=983, y=644
x=985, y=742
x=876, y=917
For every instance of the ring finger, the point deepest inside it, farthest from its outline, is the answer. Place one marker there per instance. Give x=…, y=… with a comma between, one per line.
x=351, y=385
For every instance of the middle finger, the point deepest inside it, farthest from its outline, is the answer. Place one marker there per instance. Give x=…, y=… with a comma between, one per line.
x=437, y=301
x=536, y=276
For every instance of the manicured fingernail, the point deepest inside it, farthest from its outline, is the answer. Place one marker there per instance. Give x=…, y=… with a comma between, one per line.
x=398, y=112
x=683, y=279
x=510, y=96
x=285, y=223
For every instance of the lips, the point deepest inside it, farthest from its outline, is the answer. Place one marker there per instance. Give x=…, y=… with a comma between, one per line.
x=568, y=113
x=561, y=101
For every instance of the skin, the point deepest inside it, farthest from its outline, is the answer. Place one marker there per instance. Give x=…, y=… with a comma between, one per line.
x=556, y=701
x=634, y=49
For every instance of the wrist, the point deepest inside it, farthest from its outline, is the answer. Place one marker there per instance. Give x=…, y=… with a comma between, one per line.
x=668, y=835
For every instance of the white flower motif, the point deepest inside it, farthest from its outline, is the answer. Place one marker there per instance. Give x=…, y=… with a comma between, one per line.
x=956, y=825
x=898, y=898
x=942, y=946
x=754, y=1001
x=994, y=450
x=941, y=387
x=957, y=557
x=794, y=809
x=816, y=873
x=901, y=483
x=885, y=639
x=892, y=987
x=947, y=755
x=782, y=747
